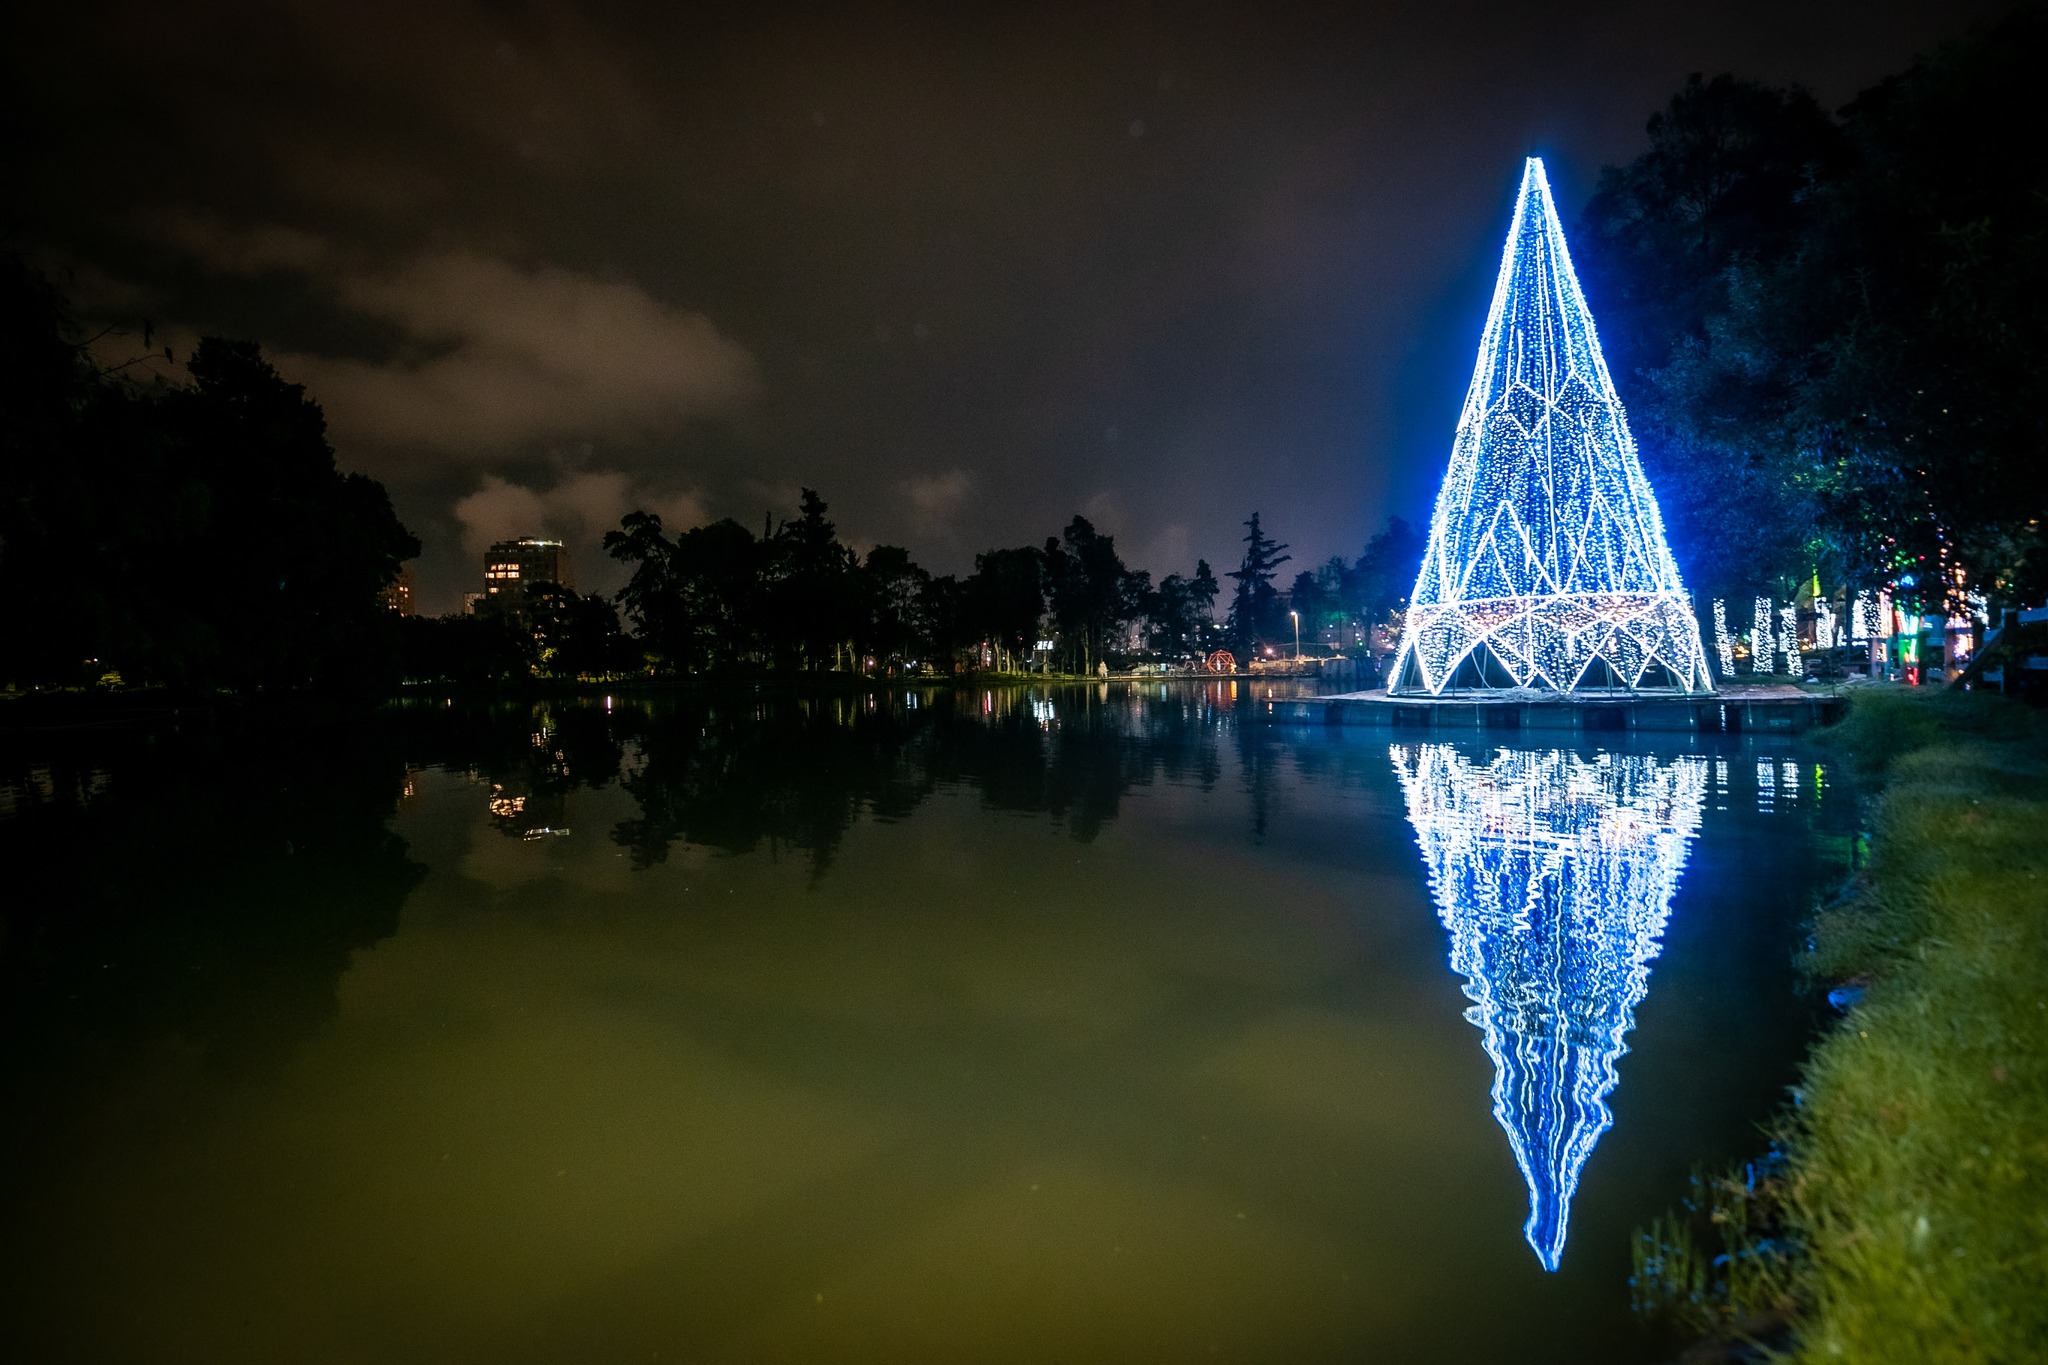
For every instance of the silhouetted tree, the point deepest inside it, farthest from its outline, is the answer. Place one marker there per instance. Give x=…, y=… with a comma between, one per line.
x=892, y=627
x=652, y=598
x=1671, y=243
x=293, y=553
x=942, y=606
x=1180, y=611
x=1005, y=600
x=1090, y=591
x=813, y=596
x=70, y=447
x=1729, y=177
x=1336, y=589
x=195, y=535
x=1203, y=587
x=698, y=602
x=1255, y=607
x=1308, y=604
x=1833, y=335
x=1383, y=576
x=576, y=635
x=463, y=650
x=721, y=574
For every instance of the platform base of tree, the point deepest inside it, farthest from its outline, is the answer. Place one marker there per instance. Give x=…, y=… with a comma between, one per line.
x=1762, y=709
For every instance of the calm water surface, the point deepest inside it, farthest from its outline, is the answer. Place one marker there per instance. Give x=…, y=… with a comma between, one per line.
x=1071, y=1025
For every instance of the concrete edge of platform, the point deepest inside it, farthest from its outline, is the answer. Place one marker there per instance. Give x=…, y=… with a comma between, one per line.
x=1719, y=714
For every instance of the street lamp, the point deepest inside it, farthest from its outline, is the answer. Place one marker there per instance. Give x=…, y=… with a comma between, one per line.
x=1297, y=633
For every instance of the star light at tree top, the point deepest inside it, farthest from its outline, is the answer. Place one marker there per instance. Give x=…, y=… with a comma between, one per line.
x=1547, y=566
x=1554, y=875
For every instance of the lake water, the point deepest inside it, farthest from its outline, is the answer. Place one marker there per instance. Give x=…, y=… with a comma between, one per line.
x=1083, y=1024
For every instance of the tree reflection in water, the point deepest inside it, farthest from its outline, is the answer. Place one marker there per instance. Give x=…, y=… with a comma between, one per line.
x=202, y=885
x=740, y=772
x=209, y=883
x=1553, y=873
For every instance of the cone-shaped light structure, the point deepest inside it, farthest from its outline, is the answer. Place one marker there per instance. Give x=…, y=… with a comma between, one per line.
x=1553, y=874
x=1547, y=566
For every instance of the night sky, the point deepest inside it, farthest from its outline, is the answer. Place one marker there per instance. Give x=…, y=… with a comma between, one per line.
x=964, y=269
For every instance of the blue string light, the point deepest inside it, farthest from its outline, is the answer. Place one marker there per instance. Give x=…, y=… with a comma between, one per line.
x=1554, y=874
x=1547, y=566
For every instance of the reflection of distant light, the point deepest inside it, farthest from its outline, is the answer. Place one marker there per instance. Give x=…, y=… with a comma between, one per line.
x=1554, y=875
x=1042, y=712
x=544, y=831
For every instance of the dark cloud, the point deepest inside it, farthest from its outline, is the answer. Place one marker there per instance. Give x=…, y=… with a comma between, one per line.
x=491, y=355
x=965, y=269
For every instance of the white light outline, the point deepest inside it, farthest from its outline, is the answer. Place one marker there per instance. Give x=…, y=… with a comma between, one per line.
x=1595, y=579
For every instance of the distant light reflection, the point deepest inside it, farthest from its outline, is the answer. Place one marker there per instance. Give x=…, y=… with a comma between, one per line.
x=1553, y=873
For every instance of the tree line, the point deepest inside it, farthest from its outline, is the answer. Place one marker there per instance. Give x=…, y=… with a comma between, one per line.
x=195, y=535
x=1831, y=329
x=721, y=599
x=199, y=536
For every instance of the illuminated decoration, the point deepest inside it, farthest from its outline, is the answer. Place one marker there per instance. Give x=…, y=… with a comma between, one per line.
x=1547, y=566
x=1823, y=624
x=1788, y=639
x=1723, y=644
x=1873, y=616
x=1554, y=874
x=1763, y=634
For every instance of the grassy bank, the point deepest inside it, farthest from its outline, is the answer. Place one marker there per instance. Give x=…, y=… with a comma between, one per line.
x=1904, y=1216
x=1919, y=1173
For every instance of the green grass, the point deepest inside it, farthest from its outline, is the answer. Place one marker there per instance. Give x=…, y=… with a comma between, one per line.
x=1907, y=1217
x=1918, y=1182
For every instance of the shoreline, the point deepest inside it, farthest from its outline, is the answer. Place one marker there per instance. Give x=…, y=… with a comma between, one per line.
x=88, y=708
x=1902, y=1209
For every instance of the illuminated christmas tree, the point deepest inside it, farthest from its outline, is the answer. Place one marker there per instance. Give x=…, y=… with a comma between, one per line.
x=1547, y=566
x=1554, y=875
